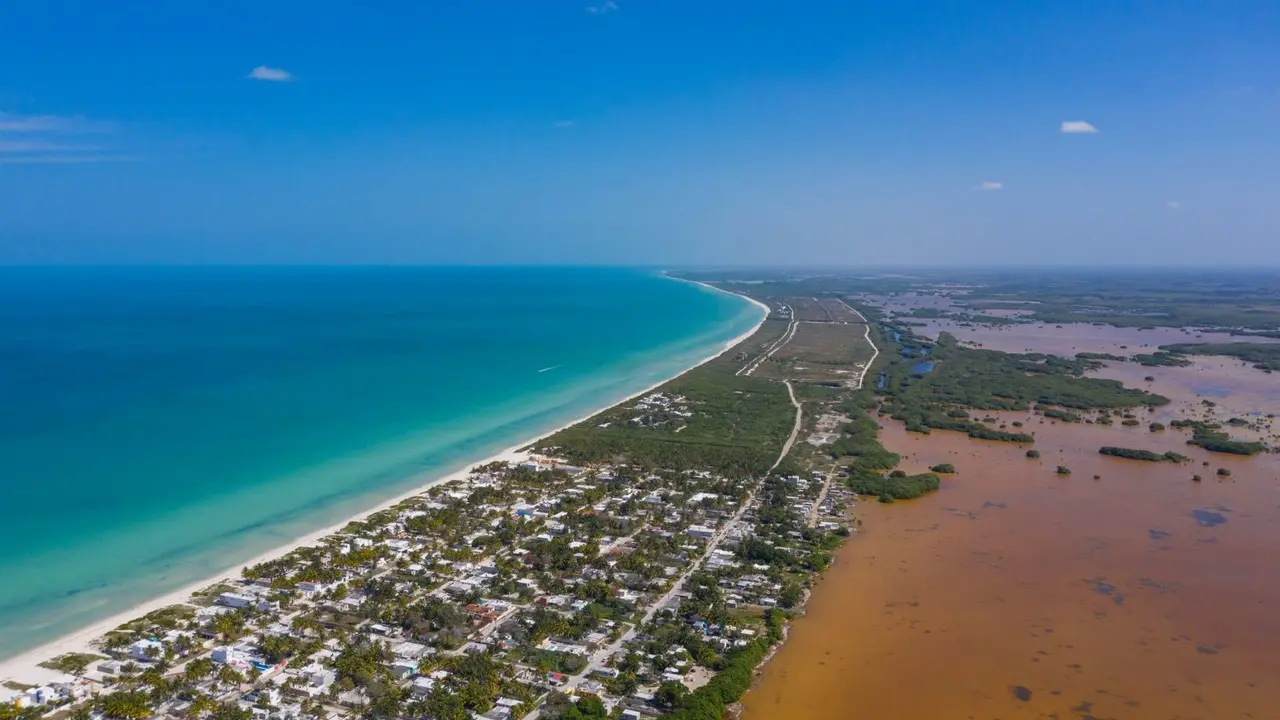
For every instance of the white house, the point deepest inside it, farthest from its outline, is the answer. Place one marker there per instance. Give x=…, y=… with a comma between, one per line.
x=422, y=686
x=227, y=655
x=41, y=695
x=702, y=532
x=309, y=587
x=146, y=650
x=235, y=600
x=318, y=676
x=409, y=650
x=402, y=669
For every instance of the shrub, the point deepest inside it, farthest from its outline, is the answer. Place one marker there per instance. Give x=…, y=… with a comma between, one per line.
x=1147, y=455
x=894, y=487
x=1062, y=415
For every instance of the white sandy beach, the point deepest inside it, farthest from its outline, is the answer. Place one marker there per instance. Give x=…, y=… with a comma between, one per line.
x=25, y=667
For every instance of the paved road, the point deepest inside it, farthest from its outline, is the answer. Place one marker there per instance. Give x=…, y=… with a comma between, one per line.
x=751, y=366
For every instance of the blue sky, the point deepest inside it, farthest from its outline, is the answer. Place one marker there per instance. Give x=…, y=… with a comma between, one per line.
x=640, y=131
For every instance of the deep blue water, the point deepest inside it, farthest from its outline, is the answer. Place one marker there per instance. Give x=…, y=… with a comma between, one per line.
x=159, y=425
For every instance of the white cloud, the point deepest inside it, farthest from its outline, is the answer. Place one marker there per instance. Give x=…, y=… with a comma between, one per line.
x=607, y=6
x=63, y=159
x=1174, y=204
x=1078, y=126
x=270, y=74
x=29, y=145
x=15, y=123
x=990, y=185
x=37, y=140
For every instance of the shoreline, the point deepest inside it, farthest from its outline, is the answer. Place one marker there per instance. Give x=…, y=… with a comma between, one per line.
x=25, y=665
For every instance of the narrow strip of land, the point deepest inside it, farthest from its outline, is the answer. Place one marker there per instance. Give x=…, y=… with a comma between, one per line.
x=875, y=351
x=751, y=365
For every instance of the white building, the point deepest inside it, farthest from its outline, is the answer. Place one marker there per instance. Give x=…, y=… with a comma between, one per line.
x=234, y=600
x=702, y=532
x=228, y=655
x=146, y=650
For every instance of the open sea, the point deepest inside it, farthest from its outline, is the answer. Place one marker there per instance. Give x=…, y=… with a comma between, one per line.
x=160, y=425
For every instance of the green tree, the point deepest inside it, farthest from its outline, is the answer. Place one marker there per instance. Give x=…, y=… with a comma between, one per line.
x=198, y=669
x=201, y=705
x=670, y=694
x=127, y=705
x=231, y=711
x=791, y=595
x=588, y=707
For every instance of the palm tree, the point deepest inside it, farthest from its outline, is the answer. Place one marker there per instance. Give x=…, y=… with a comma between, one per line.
x=227, y=675
x=126, y=706
x=198, y=669
x=77, y=664
x=201, y=705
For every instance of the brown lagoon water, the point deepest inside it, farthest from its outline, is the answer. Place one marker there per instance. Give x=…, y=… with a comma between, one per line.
x=1234, y=387
x=1016, y=593
x=1071, y=338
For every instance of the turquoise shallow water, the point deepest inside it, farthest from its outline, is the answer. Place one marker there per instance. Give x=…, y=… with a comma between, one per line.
x=159, y=425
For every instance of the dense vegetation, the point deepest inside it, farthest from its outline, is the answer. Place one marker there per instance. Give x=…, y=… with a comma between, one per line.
x=1225, y=299
x=858, y=440
x=1147, y=455
x=1209, y=437
x=738, y=425
x=1160, y=358
x=989, y=380
x=897, y=485
x=1063, y=415
x=708, y=702
x=1264, y=356
x=1128, y=298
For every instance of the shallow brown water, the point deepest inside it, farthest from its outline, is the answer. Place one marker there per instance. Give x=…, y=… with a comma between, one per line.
x=1071, y=338
x=1234, y=387
x=1015, y=593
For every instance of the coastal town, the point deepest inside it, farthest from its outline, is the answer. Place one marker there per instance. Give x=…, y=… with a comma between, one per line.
x=562, y=581
x=532, y=589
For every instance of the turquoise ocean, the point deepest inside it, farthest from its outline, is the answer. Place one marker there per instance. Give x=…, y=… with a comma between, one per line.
x=160, y=425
